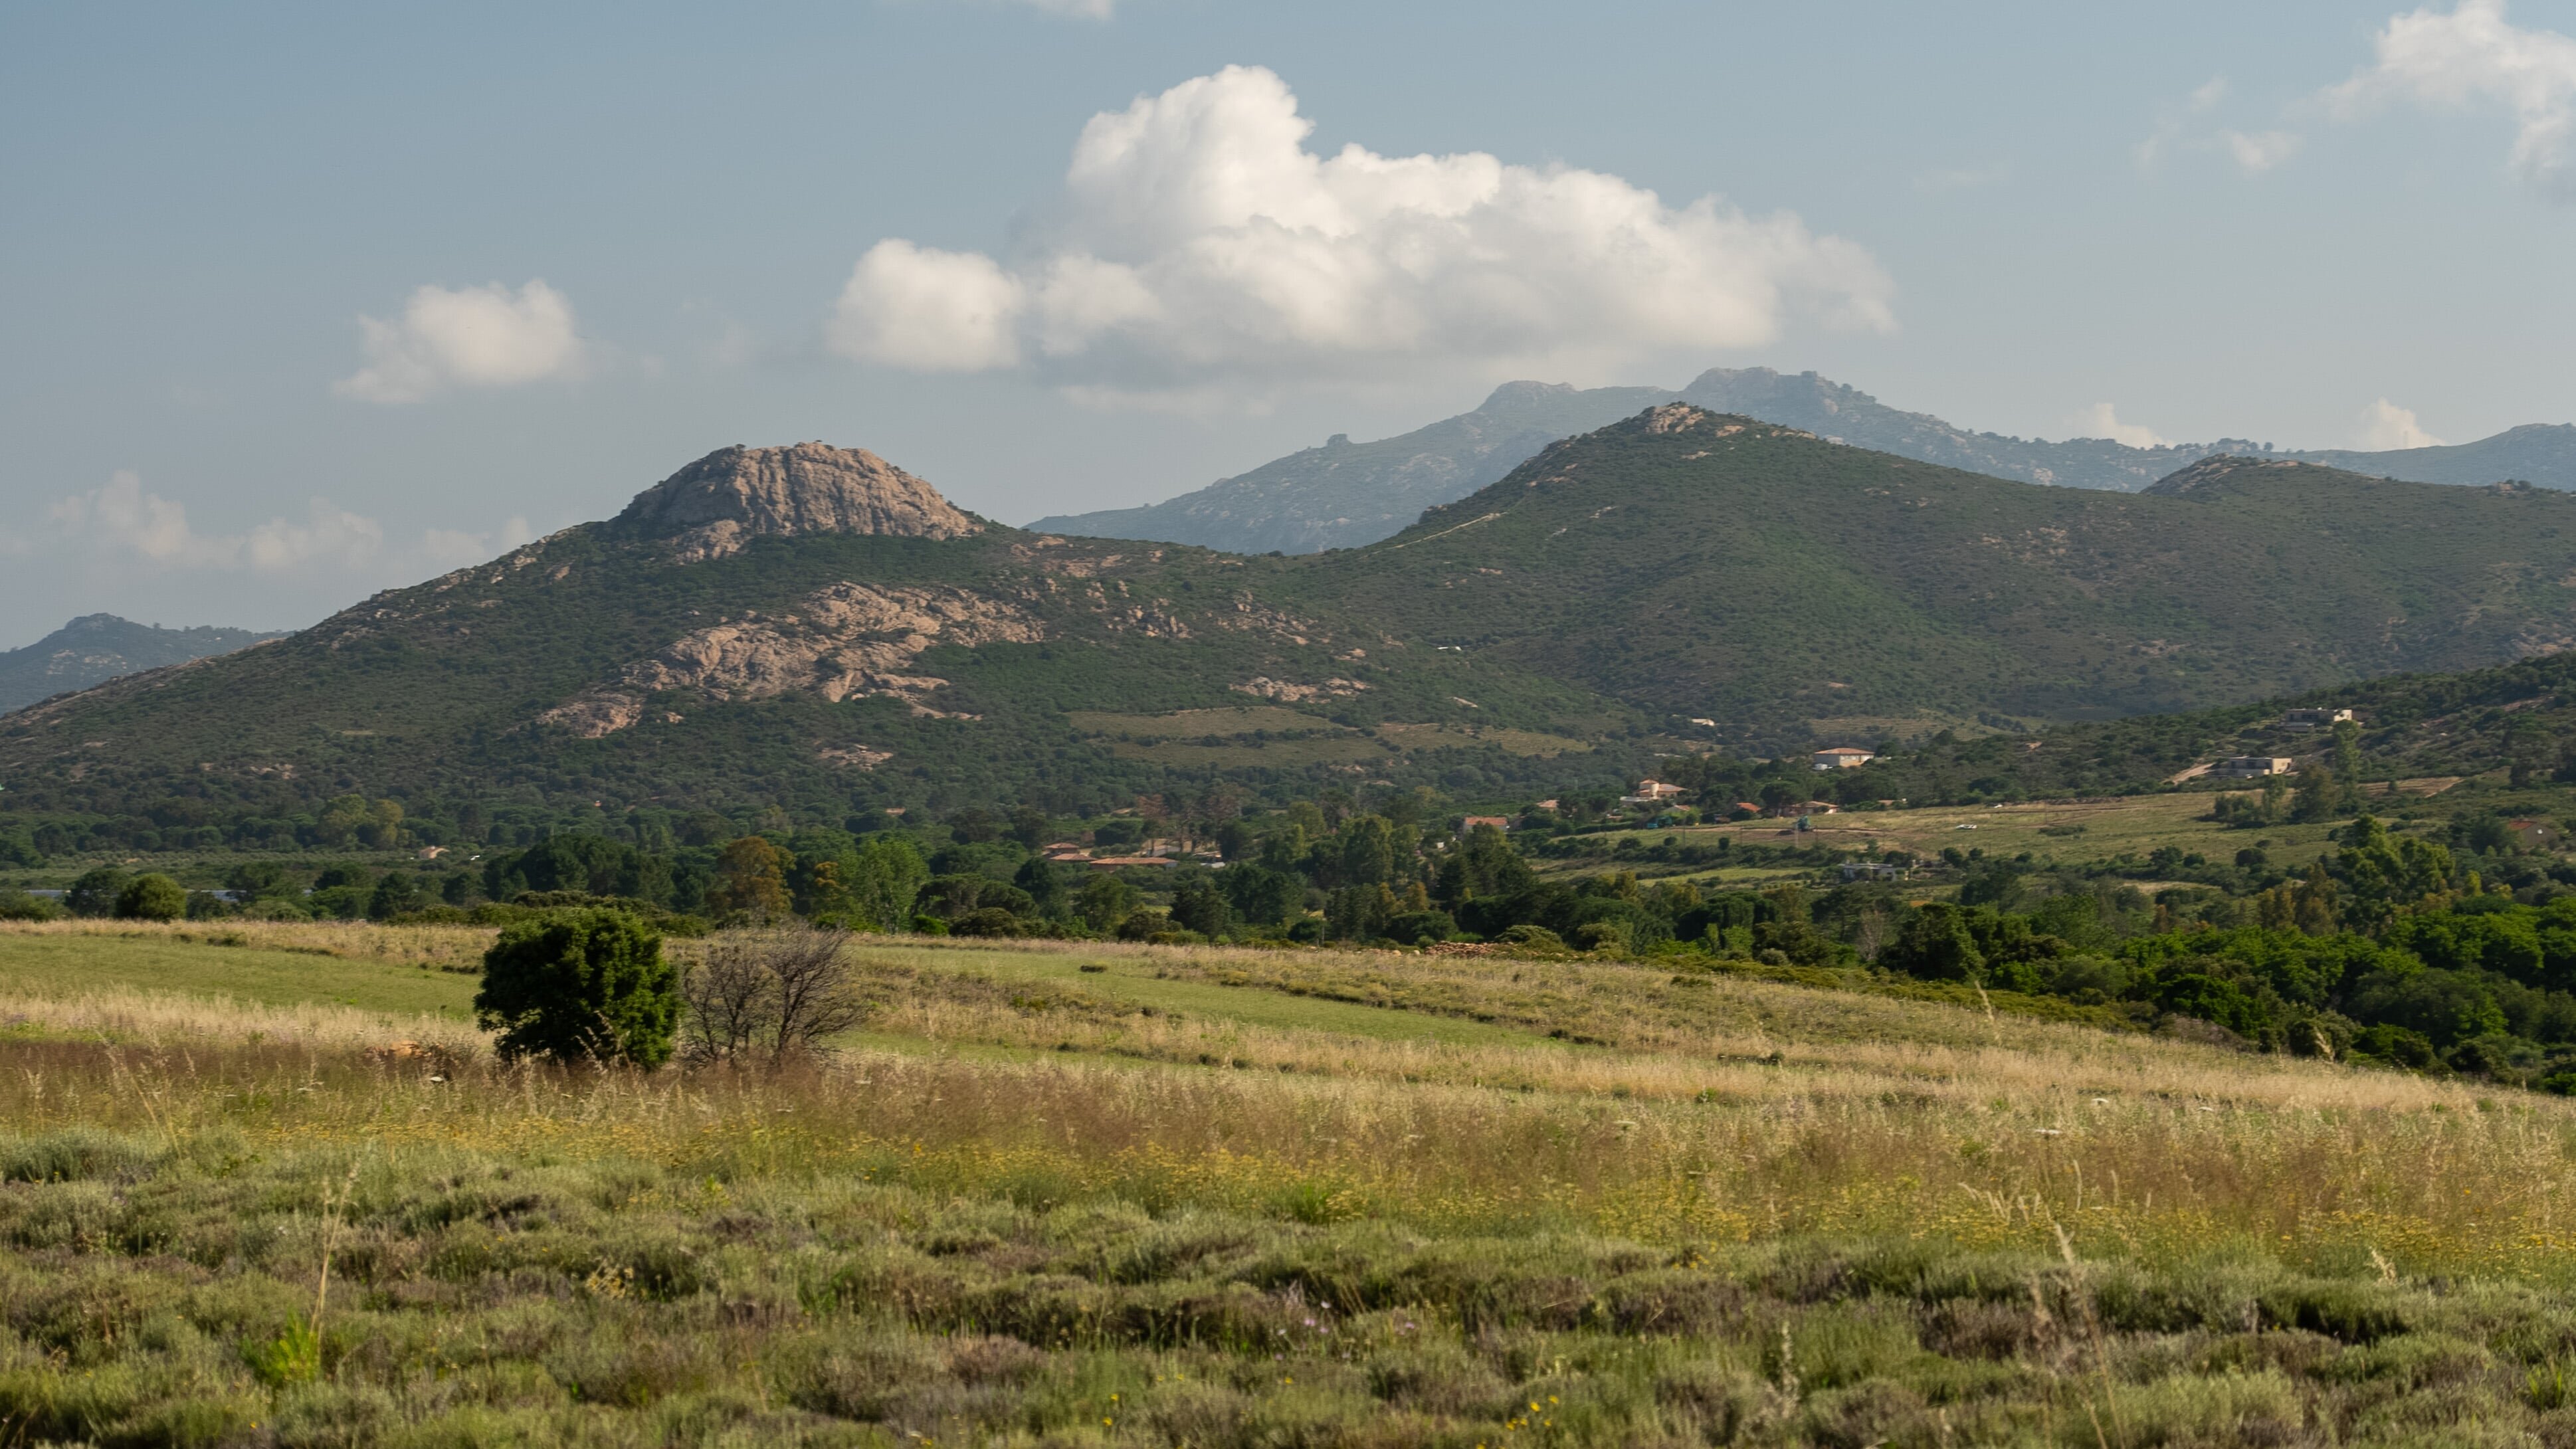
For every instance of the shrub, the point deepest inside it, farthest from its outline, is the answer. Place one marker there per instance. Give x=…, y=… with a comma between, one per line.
x=152, y=898
x=17, y=905
x=581, y=984
x=1413, y=928
x=987, y=921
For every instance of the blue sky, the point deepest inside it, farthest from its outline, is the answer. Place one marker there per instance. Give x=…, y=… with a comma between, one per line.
x=301, y=302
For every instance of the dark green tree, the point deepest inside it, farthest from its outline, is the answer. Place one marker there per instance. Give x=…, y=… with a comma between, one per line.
x=152, y=898
x=1936, y=946
x=1197, y=904
x=579, y=985
x=96, y=892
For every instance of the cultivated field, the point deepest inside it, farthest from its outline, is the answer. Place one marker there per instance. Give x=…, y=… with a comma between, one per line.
x=1140, y=1195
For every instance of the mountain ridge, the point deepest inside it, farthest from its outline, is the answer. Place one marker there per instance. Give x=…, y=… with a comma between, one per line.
x=1320, y=498
x=95, y=648
x=1559, y=627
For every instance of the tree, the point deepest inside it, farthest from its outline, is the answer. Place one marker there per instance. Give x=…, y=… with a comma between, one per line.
x=1484, y=864
x=96, y=892
x=885, y=878
x=152, y=898
x=394, y=895
x=751, y=877
x=775, y=996
x=1197, y=905
x=577, y=985
x=2347, y=764
x=1936, y=946
x=1104, y=903
x=2317, y=794
x=1367, y=851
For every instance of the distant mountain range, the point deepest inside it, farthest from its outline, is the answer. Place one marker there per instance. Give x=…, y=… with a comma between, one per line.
x=813, y=629
x=1346, y=494
x=95, y=648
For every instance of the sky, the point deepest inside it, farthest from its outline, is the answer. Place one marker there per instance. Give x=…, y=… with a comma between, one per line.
x=300, y=302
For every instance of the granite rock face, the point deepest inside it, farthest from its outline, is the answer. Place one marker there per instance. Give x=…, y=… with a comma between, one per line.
x=710, y=507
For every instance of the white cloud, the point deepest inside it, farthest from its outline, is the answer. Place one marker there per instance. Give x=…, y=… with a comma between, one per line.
x=455, y=547
x=2183, y=128
x=929, y=310
x=2258, y=153
x=484, y=336
x=2472, y=54
x=120, y=517
x=1196, y=241
x=2385, y=426
x=2102, y=421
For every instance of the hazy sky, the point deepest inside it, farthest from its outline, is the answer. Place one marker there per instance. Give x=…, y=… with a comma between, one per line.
x=299, y=302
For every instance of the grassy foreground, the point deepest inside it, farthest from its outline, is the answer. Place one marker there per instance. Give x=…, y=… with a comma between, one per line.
x=1197, y=1197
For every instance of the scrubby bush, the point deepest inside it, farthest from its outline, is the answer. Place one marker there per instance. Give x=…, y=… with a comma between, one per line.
x=581, y=984
x=17, y=905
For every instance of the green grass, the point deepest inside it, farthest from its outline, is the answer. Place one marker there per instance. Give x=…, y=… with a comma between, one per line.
x=1806, y=1218
x=55, y=964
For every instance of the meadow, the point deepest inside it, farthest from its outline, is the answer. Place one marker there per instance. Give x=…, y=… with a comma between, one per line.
x=1125, y=1194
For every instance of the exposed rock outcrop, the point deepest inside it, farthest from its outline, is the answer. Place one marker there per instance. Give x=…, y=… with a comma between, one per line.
x=847, y=640
x=710, y=507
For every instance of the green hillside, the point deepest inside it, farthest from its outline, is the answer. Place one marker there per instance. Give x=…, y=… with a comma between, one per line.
x=1694, y=564
x=814, y=631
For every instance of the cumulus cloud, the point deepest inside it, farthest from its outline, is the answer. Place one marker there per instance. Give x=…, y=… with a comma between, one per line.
x=2472, y=55
x=119, y=516
x=486, y=336
x=1196, y=239
x=2103, y=421
x=2385, y=426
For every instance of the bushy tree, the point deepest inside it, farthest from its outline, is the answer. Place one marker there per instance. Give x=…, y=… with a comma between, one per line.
x=96, y=892
x=751, y=876
x=884, y=879
x=1936, y=946
x=580, y=984
x=152, y=898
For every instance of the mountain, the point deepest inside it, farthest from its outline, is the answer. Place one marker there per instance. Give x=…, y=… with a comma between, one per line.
x=1346, y=494
x=1693, y=564
x=2542, y=453
x=95, y=648
x=813, y=630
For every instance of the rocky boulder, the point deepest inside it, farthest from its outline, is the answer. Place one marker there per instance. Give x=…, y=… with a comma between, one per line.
x=710, y=507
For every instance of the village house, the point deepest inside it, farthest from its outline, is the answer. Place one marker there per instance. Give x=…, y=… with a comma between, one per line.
x=1843, y=757
x=1499, y=822
x=2253, y=767
x=2314, y=719
x=1651, y=792
x=1856, y=870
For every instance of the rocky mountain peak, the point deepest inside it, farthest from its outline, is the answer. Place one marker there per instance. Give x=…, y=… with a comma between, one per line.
x=712, y=506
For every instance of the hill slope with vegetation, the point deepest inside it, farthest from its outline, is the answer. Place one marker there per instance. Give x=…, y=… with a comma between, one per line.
x=817, y=632
x=95, y=648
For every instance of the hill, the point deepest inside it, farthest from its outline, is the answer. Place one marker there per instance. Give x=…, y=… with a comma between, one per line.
x=95, y=648
x=1345, y=494
x=2519, y=719
x=1692, y=564
x=816, y=631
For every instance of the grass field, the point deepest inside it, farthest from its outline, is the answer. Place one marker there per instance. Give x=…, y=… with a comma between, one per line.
x=1204, y=1197
x=2086, y=830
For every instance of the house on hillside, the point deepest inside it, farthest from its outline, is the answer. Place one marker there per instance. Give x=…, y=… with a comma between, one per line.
x=1842, y=757
x=2253, y=767
x=1499, y=822
x=1651, y=792
x=2313, y=719
x=1858, y=870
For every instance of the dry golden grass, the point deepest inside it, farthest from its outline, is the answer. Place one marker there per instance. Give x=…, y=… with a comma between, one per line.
x=445, y=947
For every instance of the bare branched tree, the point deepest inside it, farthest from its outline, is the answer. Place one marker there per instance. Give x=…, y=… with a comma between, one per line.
x=769, y=995
x=811, y=987
x=727, y=1000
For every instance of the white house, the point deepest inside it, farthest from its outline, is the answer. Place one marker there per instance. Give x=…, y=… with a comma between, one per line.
x=2253, y=767
x=2313, y=719
x=1843, y=757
